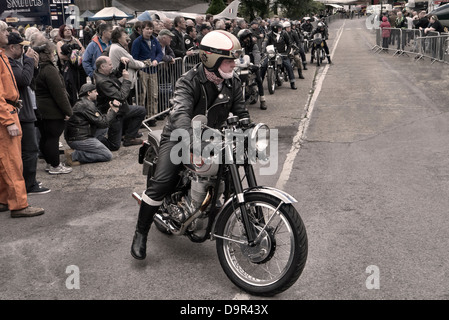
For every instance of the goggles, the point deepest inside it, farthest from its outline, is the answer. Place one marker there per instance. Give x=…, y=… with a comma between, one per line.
x=235, y=54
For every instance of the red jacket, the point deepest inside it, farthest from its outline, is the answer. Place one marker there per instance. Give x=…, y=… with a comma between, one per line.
x=385, y=24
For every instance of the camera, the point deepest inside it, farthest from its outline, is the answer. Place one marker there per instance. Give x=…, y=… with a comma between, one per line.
x=39, y=49
x=67, y=48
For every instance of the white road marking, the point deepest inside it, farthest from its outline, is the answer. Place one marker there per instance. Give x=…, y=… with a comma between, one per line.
x=304, y=123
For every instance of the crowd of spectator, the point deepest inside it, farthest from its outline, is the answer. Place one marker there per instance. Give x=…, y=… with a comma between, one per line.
x=93, y=85
x=400, y=25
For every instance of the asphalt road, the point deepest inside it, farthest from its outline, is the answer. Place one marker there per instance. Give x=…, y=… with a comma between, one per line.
x=362, y=147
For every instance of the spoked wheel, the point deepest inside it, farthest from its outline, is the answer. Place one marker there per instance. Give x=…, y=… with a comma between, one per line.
x=271, y=82
x=279, y=256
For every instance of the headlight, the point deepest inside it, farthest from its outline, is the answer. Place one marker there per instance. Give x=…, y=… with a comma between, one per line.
x=260, y=138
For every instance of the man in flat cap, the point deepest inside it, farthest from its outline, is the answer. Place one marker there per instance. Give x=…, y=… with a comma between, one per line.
x=81, y=129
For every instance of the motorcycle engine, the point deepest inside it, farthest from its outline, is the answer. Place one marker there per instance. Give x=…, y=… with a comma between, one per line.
x=199, y=188
x=181, y=206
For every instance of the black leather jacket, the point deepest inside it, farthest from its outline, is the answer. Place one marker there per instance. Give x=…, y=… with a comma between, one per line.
x=324, y=33
x=85, y=120
x=283, y=45
x=194, y=95
x=110, y=88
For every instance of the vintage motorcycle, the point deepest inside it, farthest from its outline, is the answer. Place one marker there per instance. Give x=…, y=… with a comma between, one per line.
x=306, y=41
x=261, y=240
x=276, y=73
x=318, y=52
x=244, y=69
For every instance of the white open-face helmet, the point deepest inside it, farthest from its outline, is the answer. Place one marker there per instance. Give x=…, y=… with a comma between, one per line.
x=286, y=24
x=216, y=46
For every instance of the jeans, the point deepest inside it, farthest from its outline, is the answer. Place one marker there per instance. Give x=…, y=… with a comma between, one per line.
x=259, y=82
x=132, y=121
x=29, y=154
x=89, y=150
x=288, y=66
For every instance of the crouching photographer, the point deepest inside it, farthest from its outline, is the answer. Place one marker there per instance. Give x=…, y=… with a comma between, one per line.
x=81, y=129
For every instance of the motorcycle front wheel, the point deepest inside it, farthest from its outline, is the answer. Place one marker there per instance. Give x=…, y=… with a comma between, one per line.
x=277, y=260
x=270, y=81
x=318, y=56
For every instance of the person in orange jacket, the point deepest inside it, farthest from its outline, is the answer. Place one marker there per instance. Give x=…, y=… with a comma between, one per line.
x=13, y=194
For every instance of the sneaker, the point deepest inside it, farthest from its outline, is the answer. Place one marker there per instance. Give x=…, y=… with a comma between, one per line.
x=39, y=190
x=132, y=142
x=3, y=207
x=27, y=212
x=60, y=169
x=68, y=158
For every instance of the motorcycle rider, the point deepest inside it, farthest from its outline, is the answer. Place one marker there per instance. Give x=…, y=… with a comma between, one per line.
x=249, y=44
x=307, y=26
x=297, y=28
x=211, y=88
x=282, y=43
x=296, y=44
x=321, y=28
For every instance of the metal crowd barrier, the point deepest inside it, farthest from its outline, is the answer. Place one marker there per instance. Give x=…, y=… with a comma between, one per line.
x=155, y=85
x=188, y=62
x=432, y=45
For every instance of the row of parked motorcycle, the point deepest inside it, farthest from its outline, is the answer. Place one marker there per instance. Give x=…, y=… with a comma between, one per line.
x=276, y=72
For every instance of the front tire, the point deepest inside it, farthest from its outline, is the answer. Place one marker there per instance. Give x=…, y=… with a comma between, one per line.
x=270, y=81
x=318, y=57
x=275, y=263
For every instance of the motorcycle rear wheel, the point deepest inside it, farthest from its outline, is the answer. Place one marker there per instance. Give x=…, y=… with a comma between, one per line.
x=270, y=81
x=275, y=263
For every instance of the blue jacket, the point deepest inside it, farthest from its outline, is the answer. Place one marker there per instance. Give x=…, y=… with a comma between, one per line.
x=141, y=51
x=93, y=51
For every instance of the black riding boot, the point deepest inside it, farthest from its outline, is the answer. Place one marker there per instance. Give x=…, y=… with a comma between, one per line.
x=304, y=66
x=300, y=76
x=329, y=59
x=292, y=85
x=139, y=246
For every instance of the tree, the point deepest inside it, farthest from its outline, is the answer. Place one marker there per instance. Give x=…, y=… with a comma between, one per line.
x=295, y=9
x=216, y=6
x=250, y=9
